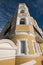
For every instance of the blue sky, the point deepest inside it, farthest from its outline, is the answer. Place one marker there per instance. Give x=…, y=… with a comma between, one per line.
x=7, y=9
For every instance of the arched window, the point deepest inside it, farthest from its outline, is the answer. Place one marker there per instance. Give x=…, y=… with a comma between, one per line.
x=22, y=11
x=22, y=21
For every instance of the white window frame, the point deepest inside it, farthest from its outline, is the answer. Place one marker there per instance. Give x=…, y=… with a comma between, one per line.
x=18, y=20
x=23, y=21
x=19, y=46
x=21, y=32
x=26, y=23
x=37, y=47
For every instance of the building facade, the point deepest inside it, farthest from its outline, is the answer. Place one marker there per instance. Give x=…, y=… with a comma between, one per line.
x=24, y=31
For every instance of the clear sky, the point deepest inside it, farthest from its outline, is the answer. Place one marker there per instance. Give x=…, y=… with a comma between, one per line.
x=7, y=9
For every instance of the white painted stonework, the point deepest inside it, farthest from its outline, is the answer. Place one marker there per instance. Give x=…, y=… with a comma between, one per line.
x=7, y=49
x=29, y=63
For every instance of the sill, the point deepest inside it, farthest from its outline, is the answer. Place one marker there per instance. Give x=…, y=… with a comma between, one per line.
x=29, y=55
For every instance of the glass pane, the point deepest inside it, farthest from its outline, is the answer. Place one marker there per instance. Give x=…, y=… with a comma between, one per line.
x=22, y=11
x=23, y=47
x=22, y=21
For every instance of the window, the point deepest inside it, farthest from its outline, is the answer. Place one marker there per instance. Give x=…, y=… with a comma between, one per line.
x=36, y=47
x=22, y=11
x=22, y=21
x=22, y=47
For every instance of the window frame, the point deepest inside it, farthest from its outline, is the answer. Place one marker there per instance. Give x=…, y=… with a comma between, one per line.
x=19, y=46
x=23, y=20
x=22, y=11
x=18, y=20
x=36, y=46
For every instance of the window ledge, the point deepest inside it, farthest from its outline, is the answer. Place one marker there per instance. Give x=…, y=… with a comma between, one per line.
x=29, y=55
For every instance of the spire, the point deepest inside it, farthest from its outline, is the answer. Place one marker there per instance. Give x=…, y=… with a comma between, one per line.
x=23, y=7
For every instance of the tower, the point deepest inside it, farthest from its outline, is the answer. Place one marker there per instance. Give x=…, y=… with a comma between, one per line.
x=26, y=34
x=28, y=37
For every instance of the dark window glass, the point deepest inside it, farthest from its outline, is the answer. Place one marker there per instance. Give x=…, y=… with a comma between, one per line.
x=22, y=21
x=22, y=11
x=23, y=47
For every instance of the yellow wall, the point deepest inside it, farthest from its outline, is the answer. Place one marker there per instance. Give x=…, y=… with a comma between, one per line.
x=29, y=41
x=28, y=28
x=8, y=62
x=21, y=60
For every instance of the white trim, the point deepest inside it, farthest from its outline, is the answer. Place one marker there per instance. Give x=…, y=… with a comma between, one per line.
x=24, y=32
x=7, y=54
x=29, y=55
x=19, y=50
x=7, y=49
x=32, y=62
x=33, y=46
x=13, y=57
x=21, y=32
x=19, y=18
x=31, y=34
x=37, y=47
x=27, y=21
x=3, y=43
x=25, y=8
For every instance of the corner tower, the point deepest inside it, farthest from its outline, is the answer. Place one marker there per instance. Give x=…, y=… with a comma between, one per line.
x=27, y=36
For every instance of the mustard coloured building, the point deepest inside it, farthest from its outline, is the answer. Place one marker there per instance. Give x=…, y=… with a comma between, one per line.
x=25, y=39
